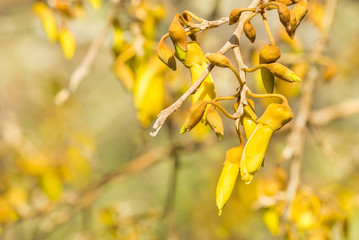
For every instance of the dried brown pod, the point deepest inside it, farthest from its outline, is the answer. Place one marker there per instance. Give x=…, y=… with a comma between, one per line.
x=249, y=31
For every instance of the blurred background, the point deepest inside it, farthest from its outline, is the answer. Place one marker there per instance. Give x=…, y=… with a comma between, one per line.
x=76, y=157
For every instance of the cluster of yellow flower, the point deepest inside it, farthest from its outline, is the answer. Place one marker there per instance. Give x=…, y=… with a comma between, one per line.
x=58, y=13
x=247, y=158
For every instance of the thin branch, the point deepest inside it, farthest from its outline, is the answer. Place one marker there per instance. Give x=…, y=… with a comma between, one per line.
x=84, y=68
x=205, y=25
x=233, y=41
x=328, y=114
x=295, y=146
x=140, y=163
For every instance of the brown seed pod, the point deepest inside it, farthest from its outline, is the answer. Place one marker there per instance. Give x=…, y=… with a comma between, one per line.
x=249, y=31
x=178, y=34
x=234, y=16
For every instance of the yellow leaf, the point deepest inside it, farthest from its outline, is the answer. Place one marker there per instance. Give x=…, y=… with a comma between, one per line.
x=48, y=20
x=67, y=42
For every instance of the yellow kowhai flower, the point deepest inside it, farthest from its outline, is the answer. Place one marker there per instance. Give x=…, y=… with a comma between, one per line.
x=149, y=96
x=197, y=63
x=274, y=117
x=228, y=177
x=249, y=119
x=48, y=20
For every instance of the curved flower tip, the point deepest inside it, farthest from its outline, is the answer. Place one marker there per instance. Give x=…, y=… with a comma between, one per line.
x=254, y=152
x=225, y=184
x=228, y=177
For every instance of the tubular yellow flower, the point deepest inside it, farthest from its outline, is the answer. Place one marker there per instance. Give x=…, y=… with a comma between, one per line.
x=148, y=90
x=198, y=63
x=228, y=177
x=48, y=20
x=274, y=117
x=249, y=119
x=254, y=152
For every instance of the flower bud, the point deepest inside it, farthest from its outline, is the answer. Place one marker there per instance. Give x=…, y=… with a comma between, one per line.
x=284, y=14
x=290, y=29
x=48, y=20
x=228, y=177
x=178, y=36
x=269, y=54
x=282, y=72
x=249, y=31
x=214, y=121
x=234, y=16
x=300, y=10
x=165, y=54
x=195, y=115
x=67, y=42
x=218, y=60
x=276, y=116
